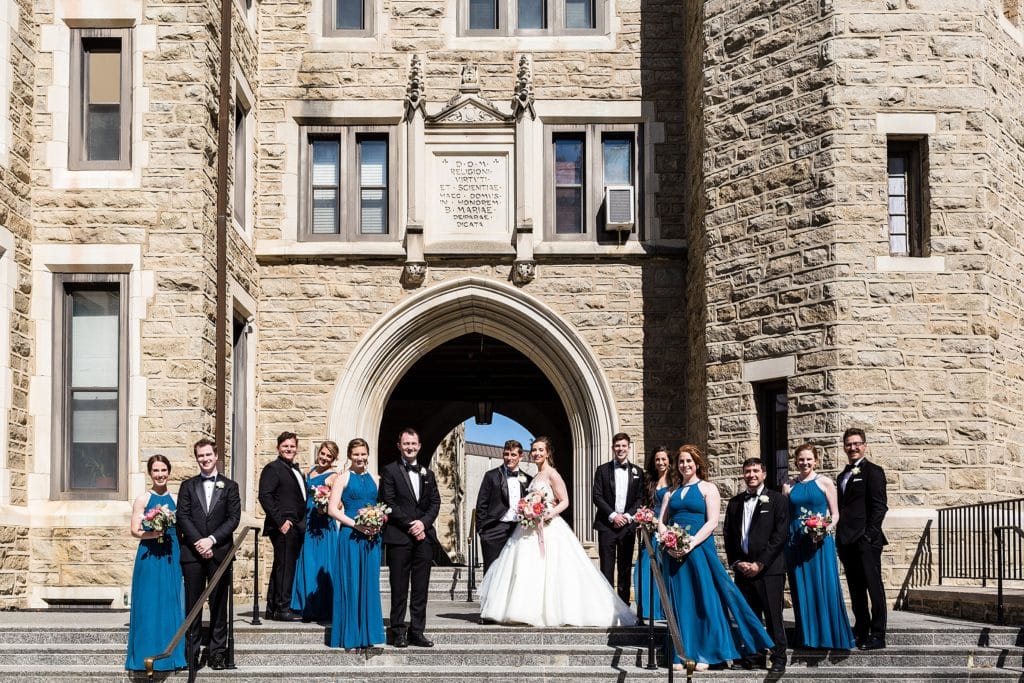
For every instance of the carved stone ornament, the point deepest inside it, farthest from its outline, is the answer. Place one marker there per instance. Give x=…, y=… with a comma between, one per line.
x=522, y=102
x=523, y=272
x=468, y=106
x=414, y=91
x=414, y=273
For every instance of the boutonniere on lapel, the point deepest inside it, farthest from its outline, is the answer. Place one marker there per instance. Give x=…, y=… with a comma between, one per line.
x=763, y=499
x=635, y=472
x=522, y=479
x=219, y=484
x=855, y=471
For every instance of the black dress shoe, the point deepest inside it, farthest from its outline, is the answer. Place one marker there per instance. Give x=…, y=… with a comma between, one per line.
x=419, y=640
x=400, y=640
x=287, y=615
x=873, y=643
x=218, y=662
x=742, y=665
x=778, y=667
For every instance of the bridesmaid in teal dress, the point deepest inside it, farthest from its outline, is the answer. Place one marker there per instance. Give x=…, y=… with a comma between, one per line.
x=656, y=474
x=312, y=591
x=821, y=620
x=715, y=622
x=358, y=620
x=158, y=591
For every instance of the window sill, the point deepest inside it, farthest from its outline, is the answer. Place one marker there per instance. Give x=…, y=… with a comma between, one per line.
x=910, y=264
x=285, y=249
x=543, y=43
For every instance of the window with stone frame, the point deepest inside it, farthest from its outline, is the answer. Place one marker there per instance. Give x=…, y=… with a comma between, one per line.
x=583, y=162
x=906, y=192
x=348, y=18
x=532, y=17
x=347, y=187
x=241, y=194
x=90, y=366
x=100, y=112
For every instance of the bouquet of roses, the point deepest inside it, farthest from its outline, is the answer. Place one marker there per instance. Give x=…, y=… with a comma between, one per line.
x=814, y=524
x=159, y=518
x=372, y=518
x=533, y=509
x=646, y=518
x=675, y=540
x=321, y=495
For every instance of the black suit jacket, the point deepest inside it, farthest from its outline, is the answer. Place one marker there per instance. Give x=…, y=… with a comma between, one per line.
x=492, y=501
x=603, y=495
x=195, y=522
x=396, y=493
x=769, y=529
x=282, y=497
x=862, y=506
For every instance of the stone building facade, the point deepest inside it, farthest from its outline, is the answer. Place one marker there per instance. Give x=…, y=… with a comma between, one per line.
x=670, y=218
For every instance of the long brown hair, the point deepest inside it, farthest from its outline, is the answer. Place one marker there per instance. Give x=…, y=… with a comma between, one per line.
x=651, y=474
x=551, y=449
x=703, y=471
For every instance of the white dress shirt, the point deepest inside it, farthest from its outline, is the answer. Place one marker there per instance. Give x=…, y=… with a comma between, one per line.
x=845, y=478
x=514, y=494
x=621, y=490
x=414, y=480
x=302, y=481
x=748, y=517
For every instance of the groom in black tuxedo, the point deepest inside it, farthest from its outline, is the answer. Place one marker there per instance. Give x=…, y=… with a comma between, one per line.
x=410, y=490
x=859, y=539
x=496, y=502
x=282, y=493
x=209, y=509
x=618, y=492
x=756, y=528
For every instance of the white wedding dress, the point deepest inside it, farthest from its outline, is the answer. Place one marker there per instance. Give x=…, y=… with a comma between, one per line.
x=559, y=586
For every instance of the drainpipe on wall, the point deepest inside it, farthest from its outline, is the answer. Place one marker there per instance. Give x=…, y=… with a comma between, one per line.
x=220, y=334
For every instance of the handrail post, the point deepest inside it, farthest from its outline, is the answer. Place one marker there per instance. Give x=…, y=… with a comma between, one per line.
x=652, y=657
x=471, y=558
x=999, y=579
x=256, y=579
x=230, y=663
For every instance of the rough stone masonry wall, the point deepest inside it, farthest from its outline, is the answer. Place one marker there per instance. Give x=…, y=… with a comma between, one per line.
x=15, y=216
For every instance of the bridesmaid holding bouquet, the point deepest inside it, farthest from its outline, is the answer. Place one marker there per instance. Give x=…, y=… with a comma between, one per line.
x=311, y=591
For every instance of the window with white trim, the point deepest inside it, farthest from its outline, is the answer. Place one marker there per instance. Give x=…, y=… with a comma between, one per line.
x=531, y=17
x=592, y=178
x=349, y=18
x=89, y=393
x=347, y=190
x=101, y=107
x=906, y=191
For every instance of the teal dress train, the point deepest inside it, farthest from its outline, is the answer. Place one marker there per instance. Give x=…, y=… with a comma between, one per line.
x=715, y=622
x=642, y=574
x=312, y=590
x=821, y=620
x=158, y=599
x=358, y=620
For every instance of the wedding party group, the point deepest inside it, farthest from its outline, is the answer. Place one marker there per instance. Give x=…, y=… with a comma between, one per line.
x=327, y=528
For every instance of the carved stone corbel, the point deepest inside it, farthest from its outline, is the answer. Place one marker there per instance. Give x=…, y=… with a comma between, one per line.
x=522, y=101
x=414, y=100
x=524, y=269
x=414, y=272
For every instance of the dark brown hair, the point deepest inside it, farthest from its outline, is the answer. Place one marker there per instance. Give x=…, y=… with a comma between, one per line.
x=158, y=457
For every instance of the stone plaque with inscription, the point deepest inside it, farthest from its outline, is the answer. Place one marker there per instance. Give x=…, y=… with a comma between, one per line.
x=470, y=196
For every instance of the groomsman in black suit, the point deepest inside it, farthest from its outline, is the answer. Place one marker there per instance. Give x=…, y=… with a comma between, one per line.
x=209, y=509
x=282, y=493
x=618, y=492
x=496, y=502
x=859, y=539
x=756, y=529
x=410, y=490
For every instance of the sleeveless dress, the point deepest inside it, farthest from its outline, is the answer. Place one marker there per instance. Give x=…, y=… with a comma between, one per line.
x=714, y=619
x=312, y=592
x=358, y=620
x=158, y=599
x=559, y=586
x=821, y=620
x=641, y=573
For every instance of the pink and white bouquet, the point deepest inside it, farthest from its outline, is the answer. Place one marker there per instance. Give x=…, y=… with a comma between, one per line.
x=533, y=509
x=372, y=518
x=645, y=518
x=159, y=518
x=814, y=524
x=675, y=540
x=321, y=496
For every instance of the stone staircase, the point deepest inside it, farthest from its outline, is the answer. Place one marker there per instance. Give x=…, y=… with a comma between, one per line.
x=57, y=645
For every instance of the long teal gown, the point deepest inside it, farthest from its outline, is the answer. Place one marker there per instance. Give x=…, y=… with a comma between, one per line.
x=158, y=599
x=821, y=620
x=715, y=622
x=641, y=572
x=358, y=620
x=312, y=589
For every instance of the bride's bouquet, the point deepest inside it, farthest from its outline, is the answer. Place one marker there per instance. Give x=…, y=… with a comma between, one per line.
x=675, y=540
x=372, y=518
x=814, y=524
x=158, y=518
x=533, y=509
x=321, y=496
x=646, y=519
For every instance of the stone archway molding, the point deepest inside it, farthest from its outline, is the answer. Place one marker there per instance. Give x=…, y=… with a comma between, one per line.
x=478, y=305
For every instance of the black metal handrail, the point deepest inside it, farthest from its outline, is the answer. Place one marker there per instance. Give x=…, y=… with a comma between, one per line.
x=965, y=536
x=1000, y=616
x=670, y=617
x=197, y=609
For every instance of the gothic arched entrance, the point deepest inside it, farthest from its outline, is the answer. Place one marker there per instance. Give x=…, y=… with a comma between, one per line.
x=515, y=322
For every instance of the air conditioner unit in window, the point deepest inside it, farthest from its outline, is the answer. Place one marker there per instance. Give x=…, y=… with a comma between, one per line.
x=618, y=208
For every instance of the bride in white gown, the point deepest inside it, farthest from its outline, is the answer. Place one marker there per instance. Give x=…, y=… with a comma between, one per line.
x=553, y=585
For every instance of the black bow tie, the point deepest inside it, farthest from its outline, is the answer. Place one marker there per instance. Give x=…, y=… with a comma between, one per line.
x=622, y=465
x=206, y=479
x=511, y=474
x=749, y=496
x=411, y=467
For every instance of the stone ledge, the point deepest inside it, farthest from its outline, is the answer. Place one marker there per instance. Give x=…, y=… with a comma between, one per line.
x=974, y=603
